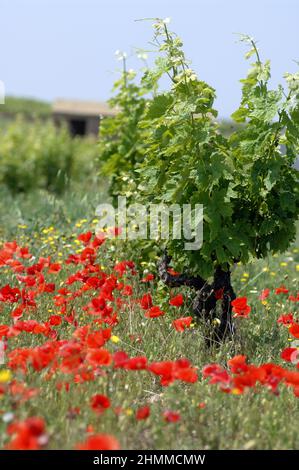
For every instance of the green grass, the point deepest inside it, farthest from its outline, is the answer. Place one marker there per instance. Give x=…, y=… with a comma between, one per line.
x=255, y=420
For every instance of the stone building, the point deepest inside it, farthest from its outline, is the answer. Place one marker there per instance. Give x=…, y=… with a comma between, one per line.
x=81, y=117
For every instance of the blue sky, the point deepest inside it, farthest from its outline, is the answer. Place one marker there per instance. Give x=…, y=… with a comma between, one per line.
x=65, y=48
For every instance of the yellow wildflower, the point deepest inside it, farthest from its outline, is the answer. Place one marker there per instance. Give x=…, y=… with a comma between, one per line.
x=114, y=339
x=5, y=376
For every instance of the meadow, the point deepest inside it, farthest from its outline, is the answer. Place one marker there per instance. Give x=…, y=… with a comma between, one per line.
x=97, y=352
x=57, y=384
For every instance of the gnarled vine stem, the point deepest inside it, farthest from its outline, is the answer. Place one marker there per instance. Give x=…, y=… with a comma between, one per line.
x=204, y=304
x=172, y=280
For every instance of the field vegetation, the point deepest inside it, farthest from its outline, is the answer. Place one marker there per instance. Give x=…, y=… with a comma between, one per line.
x=97, y=349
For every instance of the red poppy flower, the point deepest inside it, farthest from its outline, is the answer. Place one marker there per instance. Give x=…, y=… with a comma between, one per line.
x=240, y=307
x=23, y=253
x=85, y=237
x=122, y=266
x=171, y=416
x=154, y=312
x=143, y=413
x=49, y=287
x=120, y=359
x=99, y=403
x=54, y=268
x=163, y=368
x=99, y=442
x=169, y=371
x=127, y=290
x=293, y=298
x=146, y=301
x=27, y=435
x=286, y=319
x=9, y=294
x=99, y=338
x=281, y=290
x=4, y=329
x=291, y=378
x=294, y=330
x=264, y=294
x=290, y=354
x=238, y=364
x=186, y=374
x=246, y=379
x=100, y=357
x=148, y=278
x=217, y=375
x=55, y=320
x=136, y=363
x=177, y=301
x=182, y=323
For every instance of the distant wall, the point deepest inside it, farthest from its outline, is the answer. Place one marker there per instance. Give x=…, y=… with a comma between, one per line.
x=78, y=125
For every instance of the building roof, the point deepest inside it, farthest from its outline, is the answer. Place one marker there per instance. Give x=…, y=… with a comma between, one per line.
x=82, y=108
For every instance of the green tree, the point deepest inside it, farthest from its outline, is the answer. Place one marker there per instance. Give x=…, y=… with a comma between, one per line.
x=246, y=183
